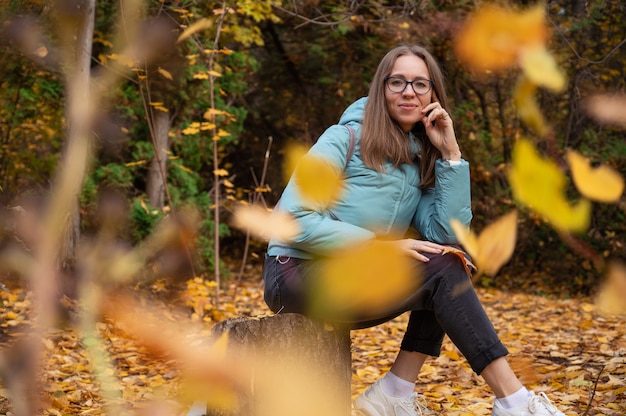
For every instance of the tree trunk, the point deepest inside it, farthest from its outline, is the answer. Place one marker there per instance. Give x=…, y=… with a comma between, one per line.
x=301, y=367
x=157, y=176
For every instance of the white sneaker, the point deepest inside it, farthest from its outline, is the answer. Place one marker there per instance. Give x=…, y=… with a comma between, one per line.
x=375, y=402
x=538, y=405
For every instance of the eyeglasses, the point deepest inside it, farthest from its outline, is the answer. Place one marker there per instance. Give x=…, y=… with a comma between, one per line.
x=420, y=85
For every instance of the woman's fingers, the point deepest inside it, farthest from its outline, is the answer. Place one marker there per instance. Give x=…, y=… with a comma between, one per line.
x=417, y=247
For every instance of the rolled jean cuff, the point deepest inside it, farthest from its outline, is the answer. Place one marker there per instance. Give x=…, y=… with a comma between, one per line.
x=487, y=356
x=431, y=348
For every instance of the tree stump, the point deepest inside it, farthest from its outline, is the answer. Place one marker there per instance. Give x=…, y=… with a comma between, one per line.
x=302, y=367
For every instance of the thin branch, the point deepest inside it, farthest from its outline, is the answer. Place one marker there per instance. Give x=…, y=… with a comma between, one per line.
x=589, y=61
x=593, y=393
x=216, y=194
x=335, y=19
x=255, y=199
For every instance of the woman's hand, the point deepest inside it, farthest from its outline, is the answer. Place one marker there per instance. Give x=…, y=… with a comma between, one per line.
x=440, y=131
x=414, y=248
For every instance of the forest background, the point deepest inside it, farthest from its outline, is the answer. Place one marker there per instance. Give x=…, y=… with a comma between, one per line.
x=197, y=101
x=265, y=75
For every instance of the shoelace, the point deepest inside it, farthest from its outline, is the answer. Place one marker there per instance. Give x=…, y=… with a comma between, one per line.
x=541, y=400
x=415, y=402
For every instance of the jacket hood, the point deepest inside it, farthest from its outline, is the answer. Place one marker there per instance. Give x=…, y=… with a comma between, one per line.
x=354, y=113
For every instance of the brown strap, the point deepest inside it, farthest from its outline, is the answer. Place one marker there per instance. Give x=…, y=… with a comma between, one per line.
x=351, y=148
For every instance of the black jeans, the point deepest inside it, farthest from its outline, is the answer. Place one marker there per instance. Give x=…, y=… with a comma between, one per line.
x=445, y=303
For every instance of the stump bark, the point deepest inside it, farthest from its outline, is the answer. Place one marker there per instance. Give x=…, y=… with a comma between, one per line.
x=302, y=367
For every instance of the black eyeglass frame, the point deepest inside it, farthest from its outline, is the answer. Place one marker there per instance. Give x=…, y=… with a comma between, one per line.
x=430, y=81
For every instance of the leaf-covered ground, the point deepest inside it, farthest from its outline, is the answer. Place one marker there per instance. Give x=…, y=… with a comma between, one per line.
x=561, y=346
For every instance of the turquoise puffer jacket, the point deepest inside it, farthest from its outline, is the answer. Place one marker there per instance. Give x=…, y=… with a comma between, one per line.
x=373, y=204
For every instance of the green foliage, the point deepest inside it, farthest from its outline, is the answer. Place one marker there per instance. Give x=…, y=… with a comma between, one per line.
x=143, y=219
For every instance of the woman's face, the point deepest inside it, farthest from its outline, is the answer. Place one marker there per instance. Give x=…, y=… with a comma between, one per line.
x=406, y=107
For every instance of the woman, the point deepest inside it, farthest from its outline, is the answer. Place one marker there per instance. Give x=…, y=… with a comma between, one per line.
x=405, y=171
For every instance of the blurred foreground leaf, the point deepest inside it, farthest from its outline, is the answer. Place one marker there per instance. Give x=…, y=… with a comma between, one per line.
x=264, y=224
x=364, y=279
x=611, y=298
x=318, y=181
x=494, y=37
x=539, y=184
x=602, y=183
x=493, y=247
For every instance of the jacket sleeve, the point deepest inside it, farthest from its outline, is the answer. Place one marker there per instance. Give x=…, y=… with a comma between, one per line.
x=450, y=198
x=320, y=233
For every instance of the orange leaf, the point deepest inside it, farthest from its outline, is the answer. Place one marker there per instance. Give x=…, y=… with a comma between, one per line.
x=469, y=266
x=493, y=37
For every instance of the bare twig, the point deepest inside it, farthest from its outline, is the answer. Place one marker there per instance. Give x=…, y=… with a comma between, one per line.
x=593, y=393
x=257, y=195
x=216, y=194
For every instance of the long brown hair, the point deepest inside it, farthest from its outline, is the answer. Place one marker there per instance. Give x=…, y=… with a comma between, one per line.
x=383, y=139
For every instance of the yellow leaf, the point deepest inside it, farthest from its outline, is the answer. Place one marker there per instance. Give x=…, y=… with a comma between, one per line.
x=601, y=184
x=541, y=68
x=364, y=280
x=201, y=24
x=165, y=74
x=294, y=153
x=215, y=112
x=139, y=162
x=262, y=223
x=220, y=172
x=495, y=244
x=318, y=181
x=539, y=184
x=220, y=346
x=493, y=37
x=190, y=131
x=527, y=108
